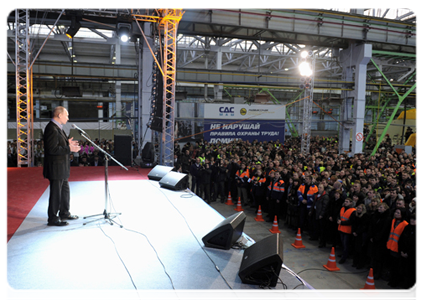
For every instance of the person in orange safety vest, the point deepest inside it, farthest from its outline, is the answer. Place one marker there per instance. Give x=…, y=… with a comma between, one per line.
x=397, y=227
x=345, y=221
x=242, y=178
x=258, y=189
x=276, y=189
x=306, y=194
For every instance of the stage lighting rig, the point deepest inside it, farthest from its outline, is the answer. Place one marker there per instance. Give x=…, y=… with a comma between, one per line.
x=73, y=29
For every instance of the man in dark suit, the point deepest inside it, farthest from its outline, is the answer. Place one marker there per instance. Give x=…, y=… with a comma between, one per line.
x=58, y=147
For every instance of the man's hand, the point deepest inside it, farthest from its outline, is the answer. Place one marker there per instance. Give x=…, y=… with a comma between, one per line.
x=74, y=145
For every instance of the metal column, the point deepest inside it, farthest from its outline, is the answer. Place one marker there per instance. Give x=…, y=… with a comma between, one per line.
x=218, y=87
x=356, y=57
x=364, y=56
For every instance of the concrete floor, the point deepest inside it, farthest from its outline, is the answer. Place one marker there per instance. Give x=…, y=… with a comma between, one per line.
x=307, y=262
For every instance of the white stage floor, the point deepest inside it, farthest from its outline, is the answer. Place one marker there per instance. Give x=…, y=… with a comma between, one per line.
x=158, y=253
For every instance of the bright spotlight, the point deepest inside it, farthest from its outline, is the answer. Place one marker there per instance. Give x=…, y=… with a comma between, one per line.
x=304, y=54
x=124, y=32
x=124, y=38
x=305, y=69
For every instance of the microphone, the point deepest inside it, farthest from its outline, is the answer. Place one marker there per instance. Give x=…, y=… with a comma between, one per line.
x=79, y=129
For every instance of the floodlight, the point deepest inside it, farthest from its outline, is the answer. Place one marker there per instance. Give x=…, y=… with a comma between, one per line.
x=304, y=54
x=73, y=29
x=305, y=69
x=123, y=31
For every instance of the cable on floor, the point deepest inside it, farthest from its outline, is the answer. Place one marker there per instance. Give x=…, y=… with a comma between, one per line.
x=117, y=252
x=189, y=227
x=284, y=291
x=111, y=205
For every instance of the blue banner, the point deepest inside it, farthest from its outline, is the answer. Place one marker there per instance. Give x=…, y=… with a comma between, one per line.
x=226, y=131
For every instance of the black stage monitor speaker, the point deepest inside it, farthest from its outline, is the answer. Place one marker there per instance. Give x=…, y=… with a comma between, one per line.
x=123, y=149
x=147, y=153
x=262, y=262
x=226, y=233
x=158, y=172
x=174, y=181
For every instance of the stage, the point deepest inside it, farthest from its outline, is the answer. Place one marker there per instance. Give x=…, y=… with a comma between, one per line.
x=157, y=251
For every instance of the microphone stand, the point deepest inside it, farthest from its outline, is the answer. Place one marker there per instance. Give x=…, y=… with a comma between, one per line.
x=107, y=216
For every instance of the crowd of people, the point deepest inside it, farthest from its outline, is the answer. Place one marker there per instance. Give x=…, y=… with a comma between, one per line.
x=363, y=205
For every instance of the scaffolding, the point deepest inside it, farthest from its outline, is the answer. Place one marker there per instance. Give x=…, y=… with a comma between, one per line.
x=308, y=83
x=169, y=27
x=23, y=74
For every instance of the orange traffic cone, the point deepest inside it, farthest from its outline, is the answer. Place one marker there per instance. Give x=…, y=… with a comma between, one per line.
x=370, y=282
x=298, y=241
x=238, y=205
x=229, y=202
x=275, y=227
x=259, y=217
x=331, y=266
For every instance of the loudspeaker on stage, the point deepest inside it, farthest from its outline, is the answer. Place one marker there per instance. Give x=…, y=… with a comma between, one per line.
x=262, y=262
x=174, y=181
x=226, y=233
x=158, y=172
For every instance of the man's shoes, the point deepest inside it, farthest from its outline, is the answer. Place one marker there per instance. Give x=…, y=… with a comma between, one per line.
x=57, y=223
x=341, y=261
x=69, y=217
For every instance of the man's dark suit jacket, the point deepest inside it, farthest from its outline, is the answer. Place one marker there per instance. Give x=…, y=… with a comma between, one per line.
x=56, y=153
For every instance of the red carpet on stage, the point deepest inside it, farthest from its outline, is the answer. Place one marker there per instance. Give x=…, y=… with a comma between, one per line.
x=26, y=185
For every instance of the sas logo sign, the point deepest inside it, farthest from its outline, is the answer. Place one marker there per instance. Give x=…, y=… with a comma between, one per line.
x=226, y=111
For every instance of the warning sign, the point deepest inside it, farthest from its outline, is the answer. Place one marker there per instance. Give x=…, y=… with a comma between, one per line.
x=359, y=137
